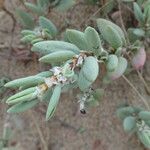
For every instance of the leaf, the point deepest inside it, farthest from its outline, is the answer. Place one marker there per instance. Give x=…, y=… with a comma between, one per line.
x=28, y=38
x=144, y=138
x=25, y=18
x=45, y=74
x=92, y=102
x=91, y=1
x=1, y=145
x=83, y=83
x=139, y=32
x=53, y=102
x=93, y=40
x=47, y=95
x=139, y=59
x=124, y=112
x=105, y=27
x=77, y=38
x=138, y=13
x=64, y=5
x=144, y=115
x=90, y=68
x=21, y=107
x=27, y=32
x=112, y=37
x=27, y=81
x=23, y=98
x=112, y=62
x=46, y=47
x=58, y=56
x=22, y=93
x=118, y=72
x=108, y=7
x=34, y=8
x=43, y=3
x=147, y=12
x=98, y=93
x=129, y=124
x=132, y=37
x=36, y=40
x=47, y=24
x=128, y=0
x=7, y=132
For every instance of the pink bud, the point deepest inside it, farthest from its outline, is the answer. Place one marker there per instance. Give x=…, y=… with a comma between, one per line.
x=139, y=59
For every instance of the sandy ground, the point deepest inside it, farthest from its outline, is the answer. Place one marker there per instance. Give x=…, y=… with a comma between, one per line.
x=99, y=129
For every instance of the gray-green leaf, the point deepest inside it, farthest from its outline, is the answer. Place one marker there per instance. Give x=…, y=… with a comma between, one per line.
x=21, y=107
x=46, y=47
x=58, y=56
x=47, y=24
x=25, y=18
x=53, y=102
x=129, y=124
x=93, y=40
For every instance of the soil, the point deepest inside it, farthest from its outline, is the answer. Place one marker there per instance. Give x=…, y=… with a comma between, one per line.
x=99, y=129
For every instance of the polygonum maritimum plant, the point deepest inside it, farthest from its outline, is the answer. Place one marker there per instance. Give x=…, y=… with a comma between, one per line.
x=76, y=63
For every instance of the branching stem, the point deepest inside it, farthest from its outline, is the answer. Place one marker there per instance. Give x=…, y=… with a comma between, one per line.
x=136, y=91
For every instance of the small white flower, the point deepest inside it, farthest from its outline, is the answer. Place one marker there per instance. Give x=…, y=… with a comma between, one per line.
x=49, y=82
x=61, y=79
x=56, y=70
x=79, y=61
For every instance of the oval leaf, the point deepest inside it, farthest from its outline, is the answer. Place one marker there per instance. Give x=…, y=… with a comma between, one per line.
x=144, y=138
x=118, y=72
x=105, y=25
x=83, y=83
x=21, y=107
x=46, y=47
x=53, y=102
x=93, y=40
x=27, y=97
x=59, y=56
x=47, y=24
x=144, y=115
x=138, y=13
x=90, y=68
x=25, y=18
x=22, y=93
x=139, y=59
x=77, y=38
x=129, y=124
x=112, y=62
x=27, y=81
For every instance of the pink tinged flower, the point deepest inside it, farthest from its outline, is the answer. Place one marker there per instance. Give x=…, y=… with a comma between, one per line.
x=139, y=59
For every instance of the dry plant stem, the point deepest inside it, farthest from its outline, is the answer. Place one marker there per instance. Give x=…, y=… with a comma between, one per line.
x=141, y=78
x=86, y=20
x=45, y=146
x=144, y=82
x=122, y=24
x=136, y=91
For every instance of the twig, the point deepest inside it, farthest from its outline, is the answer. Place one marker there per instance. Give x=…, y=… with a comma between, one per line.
x=144, y=82
x=122, y=23
x=136, y=91
x=39, y=131
x=86, y=20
